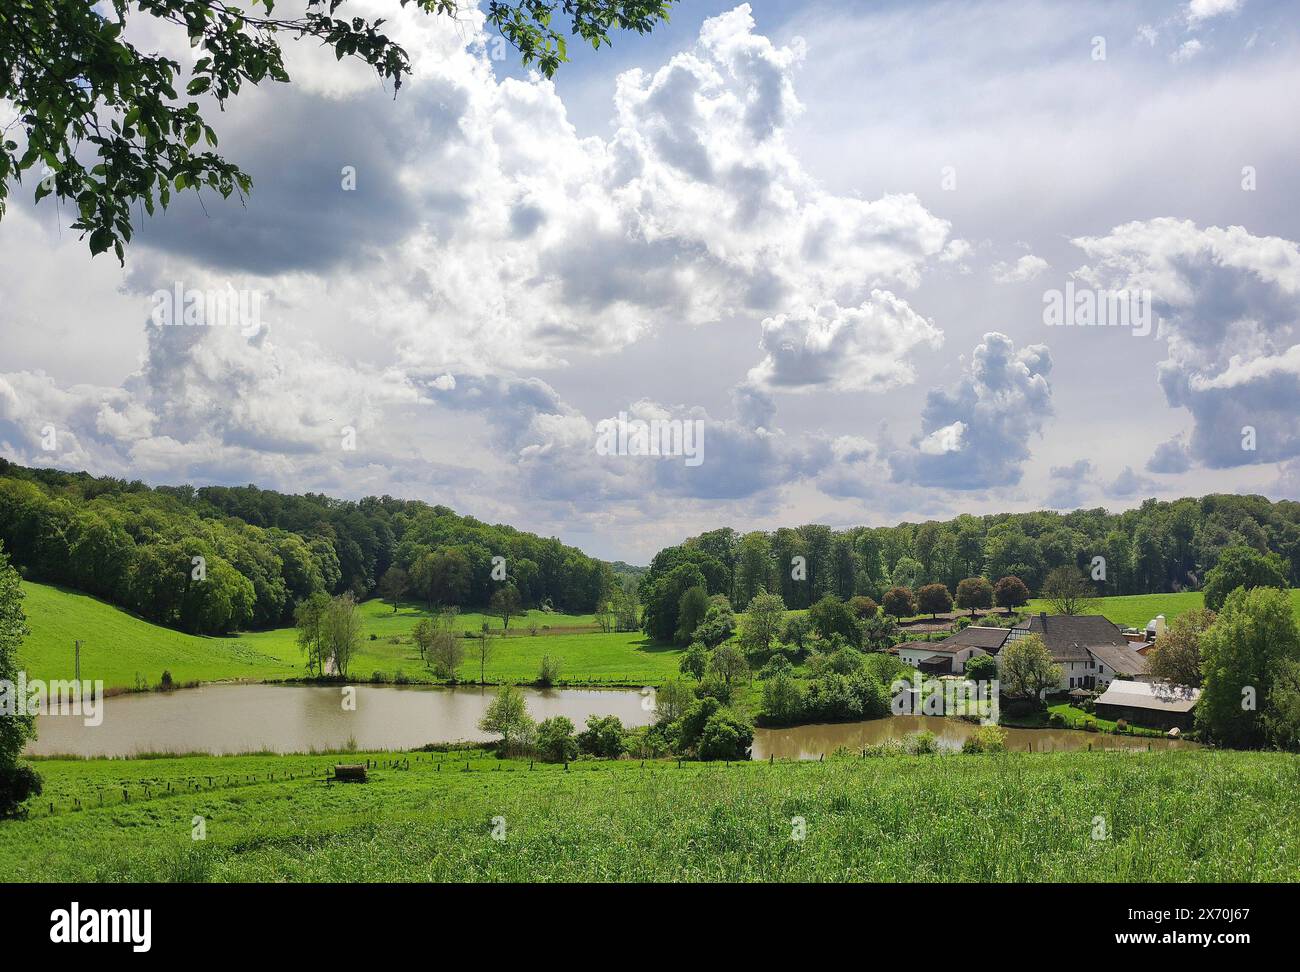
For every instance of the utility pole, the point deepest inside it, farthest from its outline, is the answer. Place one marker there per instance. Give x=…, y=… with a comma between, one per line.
x=77, y=645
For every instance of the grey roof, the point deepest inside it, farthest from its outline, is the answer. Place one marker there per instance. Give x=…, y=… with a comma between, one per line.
x=1158, y=696
x=1069, y=637
x=1126, y=660
x=974, y=636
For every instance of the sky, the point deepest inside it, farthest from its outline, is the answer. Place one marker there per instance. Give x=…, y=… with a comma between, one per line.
x=852, y=244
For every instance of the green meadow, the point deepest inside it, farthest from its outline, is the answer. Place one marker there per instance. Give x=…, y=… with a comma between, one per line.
x=122, y=649
x=1114, y=816
x=1136, y=610
x=118, y=647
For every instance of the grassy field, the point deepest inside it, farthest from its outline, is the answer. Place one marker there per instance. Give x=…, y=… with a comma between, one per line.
x=1177, y=816
x=1137, y=609
x=117, y=646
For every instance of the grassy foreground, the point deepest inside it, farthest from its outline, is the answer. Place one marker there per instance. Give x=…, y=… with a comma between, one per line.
x=118, y=646
x=1174, y=816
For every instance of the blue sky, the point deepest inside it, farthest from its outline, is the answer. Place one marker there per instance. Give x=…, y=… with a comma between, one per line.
x=825, y=230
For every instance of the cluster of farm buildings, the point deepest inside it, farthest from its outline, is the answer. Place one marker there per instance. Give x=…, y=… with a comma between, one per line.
x=1094, y=655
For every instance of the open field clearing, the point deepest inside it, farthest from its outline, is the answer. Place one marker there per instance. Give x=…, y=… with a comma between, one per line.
x=117, y=646
x=1177, y=816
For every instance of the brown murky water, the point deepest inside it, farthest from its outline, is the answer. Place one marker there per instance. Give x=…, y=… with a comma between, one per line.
x=296, y=718
x=811, y=742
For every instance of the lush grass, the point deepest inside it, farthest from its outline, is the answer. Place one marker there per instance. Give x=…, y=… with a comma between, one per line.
x=117, y=646
x=1174, y=816
x=1136, y=610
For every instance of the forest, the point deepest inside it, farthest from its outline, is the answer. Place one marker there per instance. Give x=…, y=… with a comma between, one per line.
x=258, y=552
x=1158, y=547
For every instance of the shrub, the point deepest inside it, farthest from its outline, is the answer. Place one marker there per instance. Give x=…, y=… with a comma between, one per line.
x=1056, y=720
x=549, y=673
x=1089, y=725
x=782, y=699
x=986, y=739
x=556, y=742
x=603, y=737
x=725, y=737
x=982, y=668
x=166, y=683
x=923, y=743
x=17, y=783
x=1121, y=725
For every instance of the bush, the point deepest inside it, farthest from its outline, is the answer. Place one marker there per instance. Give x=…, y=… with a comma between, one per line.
x=17, y=784
x=1089, y=725
x=982, y=668
x=1056, y=720
x=714, y=686
x=782, y=699
x=166, y=683
x=555, y=740
x=1121, y=725
x=725, y=737
x=549, y=673
x=603, y=737
x=923, y=743
x=986, y=739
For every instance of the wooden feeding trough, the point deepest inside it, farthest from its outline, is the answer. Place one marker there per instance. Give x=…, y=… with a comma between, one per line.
x=349, y=773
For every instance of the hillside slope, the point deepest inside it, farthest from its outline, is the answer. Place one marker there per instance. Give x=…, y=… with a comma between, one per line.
x=117, y=646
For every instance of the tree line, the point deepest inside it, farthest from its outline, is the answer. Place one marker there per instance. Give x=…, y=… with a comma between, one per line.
x=1158, y=547
x=217, y=559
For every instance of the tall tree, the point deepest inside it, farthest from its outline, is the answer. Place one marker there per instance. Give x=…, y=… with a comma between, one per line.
x=1241, y=654
x=507, y=716
x=1176, y=655
x=393, y=585
x=17, y=725
x=1026, y=669
x=1066, y=590
x=505, y=604
x=762, y=623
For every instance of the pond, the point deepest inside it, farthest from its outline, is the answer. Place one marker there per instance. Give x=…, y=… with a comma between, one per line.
x=811, y=742
x=223, y=719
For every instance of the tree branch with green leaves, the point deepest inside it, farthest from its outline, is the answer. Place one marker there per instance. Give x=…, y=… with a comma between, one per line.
x=111, y=130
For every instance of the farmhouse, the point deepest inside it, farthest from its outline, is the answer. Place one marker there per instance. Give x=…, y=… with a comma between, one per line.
x=1149, y=703
x=1089, y=648
x=949, y=657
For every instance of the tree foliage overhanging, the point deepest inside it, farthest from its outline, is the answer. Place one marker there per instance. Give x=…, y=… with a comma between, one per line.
x=265, y=551
x=108, y=127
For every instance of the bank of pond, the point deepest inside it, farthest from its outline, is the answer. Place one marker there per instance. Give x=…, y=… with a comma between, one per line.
x=251, y=718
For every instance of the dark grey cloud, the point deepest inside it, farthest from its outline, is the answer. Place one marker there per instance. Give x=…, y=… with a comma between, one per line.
x=1170, y=457
x=975, y=434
